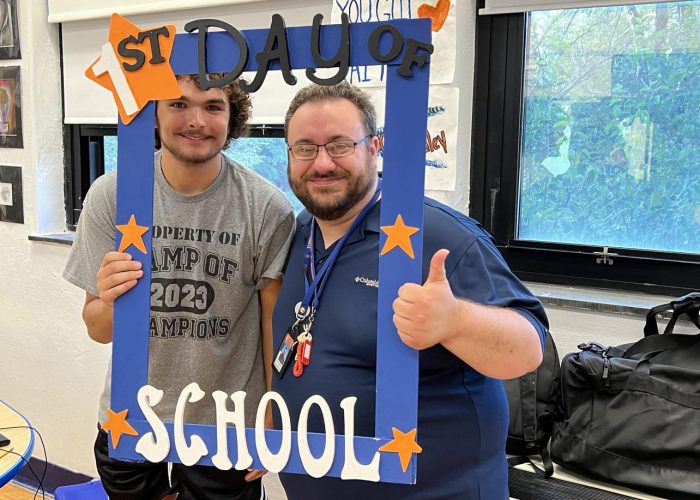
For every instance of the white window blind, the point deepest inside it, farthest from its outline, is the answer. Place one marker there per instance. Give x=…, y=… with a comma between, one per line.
x=61, y=11
x=511, y=6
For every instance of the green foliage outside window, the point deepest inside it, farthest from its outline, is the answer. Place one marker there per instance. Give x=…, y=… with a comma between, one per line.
x=611, y=132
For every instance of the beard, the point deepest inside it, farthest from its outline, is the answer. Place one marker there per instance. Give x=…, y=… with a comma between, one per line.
x=322, y=203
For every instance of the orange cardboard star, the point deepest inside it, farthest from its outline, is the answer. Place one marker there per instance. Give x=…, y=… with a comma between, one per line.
x=399, y=235
x=403, y=444
x=117, y=425
x=135, y=66
x=132, y=234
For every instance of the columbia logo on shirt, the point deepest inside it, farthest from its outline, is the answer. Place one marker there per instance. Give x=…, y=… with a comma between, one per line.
x=367, y=281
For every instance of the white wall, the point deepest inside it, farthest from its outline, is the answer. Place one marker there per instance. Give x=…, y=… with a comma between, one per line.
x=50, y=370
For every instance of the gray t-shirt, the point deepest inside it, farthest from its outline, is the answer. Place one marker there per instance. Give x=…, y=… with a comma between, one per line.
x=212, y=253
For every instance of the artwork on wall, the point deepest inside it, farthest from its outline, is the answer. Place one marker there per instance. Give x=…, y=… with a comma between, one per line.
x=440, y=138
x=443, y=21
x=10, y=107
x=11, y=205
x=9, y=30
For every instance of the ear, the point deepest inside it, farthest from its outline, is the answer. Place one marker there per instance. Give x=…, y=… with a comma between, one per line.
x=374, y=146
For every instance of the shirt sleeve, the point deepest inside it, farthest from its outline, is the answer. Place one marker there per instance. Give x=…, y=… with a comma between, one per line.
x=481, y=275
x=94, y=235
x=278, y=227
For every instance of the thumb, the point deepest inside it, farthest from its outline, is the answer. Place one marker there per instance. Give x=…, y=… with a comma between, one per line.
x=437, y=267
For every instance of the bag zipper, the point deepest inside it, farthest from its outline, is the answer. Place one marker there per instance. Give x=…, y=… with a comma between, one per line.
x=603, y=351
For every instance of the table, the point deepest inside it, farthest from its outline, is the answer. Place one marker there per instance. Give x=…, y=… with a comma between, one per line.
x=21, y=442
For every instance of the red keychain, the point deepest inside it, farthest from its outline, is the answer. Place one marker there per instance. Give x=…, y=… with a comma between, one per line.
x=303, y=355
x=306, y=351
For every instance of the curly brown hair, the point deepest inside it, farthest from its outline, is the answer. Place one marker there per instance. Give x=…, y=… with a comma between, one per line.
x=239, y=103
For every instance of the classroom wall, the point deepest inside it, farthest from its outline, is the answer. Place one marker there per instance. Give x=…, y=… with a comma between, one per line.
x=50, y=371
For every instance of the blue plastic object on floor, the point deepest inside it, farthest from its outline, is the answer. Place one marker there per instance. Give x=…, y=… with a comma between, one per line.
x=85, y=491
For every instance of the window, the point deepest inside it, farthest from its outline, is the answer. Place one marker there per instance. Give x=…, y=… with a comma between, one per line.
x=85, y=159
x=94, y=153
x=587, y=129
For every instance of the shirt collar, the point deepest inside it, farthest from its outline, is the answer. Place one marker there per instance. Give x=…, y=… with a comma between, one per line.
x=369, y=225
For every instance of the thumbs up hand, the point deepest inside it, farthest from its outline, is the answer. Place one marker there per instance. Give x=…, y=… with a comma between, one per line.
x=424, y=314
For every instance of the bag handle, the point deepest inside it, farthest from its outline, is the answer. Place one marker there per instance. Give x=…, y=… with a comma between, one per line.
x=653, y=345
x=688, y=305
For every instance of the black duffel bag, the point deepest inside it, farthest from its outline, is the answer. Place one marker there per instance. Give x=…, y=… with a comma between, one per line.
x=632, y=412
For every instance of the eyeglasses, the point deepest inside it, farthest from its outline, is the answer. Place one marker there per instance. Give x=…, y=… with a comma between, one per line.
x=335, y=149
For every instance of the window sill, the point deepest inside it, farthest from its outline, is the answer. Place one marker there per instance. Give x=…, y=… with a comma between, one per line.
x=588, y=299
x=60, y=238
x=596, y=300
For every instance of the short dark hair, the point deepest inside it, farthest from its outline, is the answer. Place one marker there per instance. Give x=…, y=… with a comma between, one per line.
x=343, y=90
x=239, y=104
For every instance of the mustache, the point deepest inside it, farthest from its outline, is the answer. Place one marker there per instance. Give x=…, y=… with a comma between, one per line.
x=329, y=175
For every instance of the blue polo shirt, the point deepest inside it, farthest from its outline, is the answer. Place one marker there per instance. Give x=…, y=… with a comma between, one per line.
x=462, y=415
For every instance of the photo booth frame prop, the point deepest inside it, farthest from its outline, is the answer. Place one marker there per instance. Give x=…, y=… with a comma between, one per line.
x=9, y=30
x=11, y=107
x=402, y=196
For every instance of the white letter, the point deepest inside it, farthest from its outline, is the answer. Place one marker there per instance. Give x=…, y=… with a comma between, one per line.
x=352, y=469
x=154, y=446
x=237, y=418
x=271, y=461
x=188, y=454
x=109, y=64
x=316, y=467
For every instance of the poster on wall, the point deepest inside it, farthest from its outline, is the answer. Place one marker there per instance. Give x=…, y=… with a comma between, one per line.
x=10, y=107
x=440, y=137
x=9, y=30
x=11, y=206
x=442, y=130
x=443, y=20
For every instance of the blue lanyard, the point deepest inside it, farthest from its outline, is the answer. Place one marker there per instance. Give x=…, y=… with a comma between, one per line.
x=314, y=288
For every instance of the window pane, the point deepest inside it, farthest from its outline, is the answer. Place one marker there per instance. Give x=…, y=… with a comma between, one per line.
x=611, y=131
x=265, y=155
x=268, y=157
x=110, y=148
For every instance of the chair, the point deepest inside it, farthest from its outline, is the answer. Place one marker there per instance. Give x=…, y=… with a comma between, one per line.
x=92, y=490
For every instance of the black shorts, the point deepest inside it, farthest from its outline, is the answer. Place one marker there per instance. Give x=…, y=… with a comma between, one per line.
x=149, y=481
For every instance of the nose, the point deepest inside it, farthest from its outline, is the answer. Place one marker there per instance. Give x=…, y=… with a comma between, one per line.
x=323, y=161
x=196, y=118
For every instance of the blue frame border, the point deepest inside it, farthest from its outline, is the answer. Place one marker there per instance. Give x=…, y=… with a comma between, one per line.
x=402, y=193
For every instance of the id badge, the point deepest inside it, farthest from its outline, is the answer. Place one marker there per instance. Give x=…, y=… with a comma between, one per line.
x=285, y=353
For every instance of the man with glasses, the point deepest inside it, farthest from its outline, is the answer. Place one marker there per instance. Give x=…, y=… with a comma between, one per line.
x=472, y=320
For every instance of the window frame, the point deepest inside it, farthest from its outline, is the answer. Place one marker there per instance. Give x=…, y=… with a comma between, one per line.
x=495, y=162
x=81, y=171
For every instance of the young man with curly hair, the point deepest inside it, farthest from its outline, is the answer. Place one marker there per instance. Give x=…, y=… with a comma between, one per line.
x=220, y=238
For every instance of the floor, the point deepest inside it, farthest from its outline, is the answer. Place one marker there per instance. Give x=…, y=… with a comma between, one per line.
x=273, y=487
x=13, y=492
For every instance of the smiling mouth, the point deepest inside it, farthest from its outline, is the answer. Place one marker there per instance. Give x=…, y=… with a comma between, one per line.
x=196, y=138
